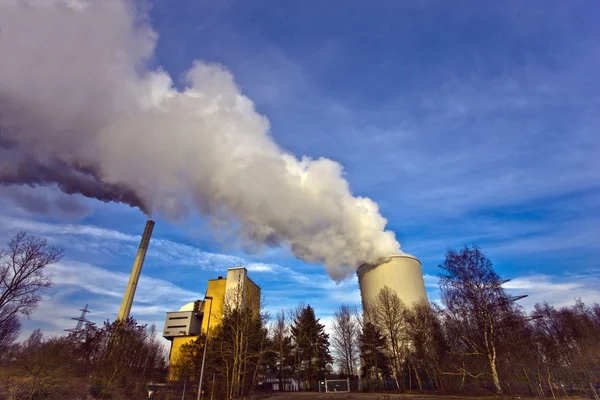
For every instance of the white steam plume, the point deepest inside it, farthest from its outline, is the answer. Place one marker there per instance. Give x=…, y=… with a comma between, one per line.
x=79, y=110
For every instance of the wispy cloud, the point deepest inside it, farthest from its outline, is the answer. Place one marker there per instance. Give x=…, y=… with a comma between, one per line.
x=112, y=243
x=42, y=228
x=104, y=282
x=558, y=290
x=431, y=281
x=283, y=287
x=77, y=283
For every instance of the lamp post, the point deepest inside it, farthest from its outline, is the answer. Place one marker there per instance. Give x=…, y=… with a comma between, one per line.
x=205, y=345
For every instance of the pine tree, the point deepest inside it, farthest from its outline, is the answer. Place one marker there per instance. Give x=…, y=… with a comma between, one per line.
x=311, y=346
x=372, y=353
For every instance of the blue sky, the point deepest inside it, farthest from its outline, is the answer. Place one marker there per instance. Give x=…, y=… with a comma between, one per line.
x=467, y=122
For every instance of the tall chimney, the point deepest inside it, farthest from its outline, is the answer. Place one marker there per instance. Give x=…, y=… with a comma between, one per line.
x=135, y=272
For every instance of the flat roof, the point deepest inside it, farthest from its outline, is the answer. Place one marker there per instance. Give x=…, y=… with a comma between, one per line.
x=234, y=268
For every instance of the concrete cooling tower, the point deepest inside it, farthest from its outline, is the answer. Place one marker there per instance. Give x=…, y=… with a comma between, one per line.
x=402, y=274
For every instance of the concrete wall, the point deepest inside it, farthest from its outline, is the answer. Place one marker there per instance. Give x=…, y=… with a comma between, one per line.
x=216, y=289
x=235, y=291
x=181, y=323
x=252, y=296
x=176, y=348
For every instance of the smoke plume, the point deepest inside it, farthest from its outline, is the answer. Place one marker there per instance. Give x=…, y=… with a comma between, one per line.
x=80, y=110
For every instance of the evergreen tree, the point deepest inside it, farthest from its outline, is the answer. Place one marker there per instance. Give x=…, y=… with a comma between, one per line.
x=372, y=353
x=311, y=346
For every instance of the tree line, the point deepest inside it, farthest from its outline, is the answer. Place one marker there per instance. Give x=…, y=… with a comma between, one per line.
x=112, y=361
x=477, y=339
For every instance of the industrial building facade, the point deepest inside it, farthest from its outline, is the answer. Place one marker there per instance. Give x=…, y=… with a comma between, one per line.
x=186, y=324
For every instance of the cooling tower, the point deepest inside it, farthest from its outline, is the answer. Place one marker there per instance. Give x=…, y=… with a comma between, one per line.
x=135, y=272
x=402, y=274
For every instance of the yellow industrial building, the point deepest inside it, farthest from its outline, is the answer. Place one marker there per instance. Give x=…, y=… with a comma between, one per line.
x=185, y=325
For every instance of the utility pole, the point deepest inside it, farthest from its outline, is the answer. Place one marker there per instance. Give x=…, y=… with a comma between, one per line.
x=205, y=345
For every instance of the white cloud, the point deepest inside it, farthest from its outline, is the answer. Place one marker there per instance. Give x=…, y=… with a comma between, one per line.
x=42, y=228
x=77, y=283
x=262, y=268
x=284, y=287
x=82, y=282
x=431, y=281
x=540, y=282
x=559, y=290
x=104, y=282
x=109, y=242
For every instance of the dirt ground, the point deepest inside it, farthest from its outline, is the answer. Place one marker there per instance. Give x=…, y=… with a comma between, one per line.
x=379, y=396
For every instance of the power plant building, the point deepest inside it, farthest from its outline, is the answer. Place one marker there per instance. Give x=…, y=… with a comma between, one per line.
x=401, y=273
x=186, y=324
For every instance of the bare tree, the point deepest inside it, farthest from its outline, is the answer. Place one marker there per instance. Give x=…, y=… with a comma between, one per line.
x=478, y=314
x=428, y=345
x=22, y=277
x=115, y=361
x=388, y=313
x=568, y=346
x=241, y=341
x=345, y=341
x=282, y=346
x=9, y=331
x=293, y=314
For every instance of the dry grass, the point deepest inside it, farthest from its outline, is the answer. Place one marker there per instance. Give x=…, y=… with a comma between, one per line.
x=387, y=396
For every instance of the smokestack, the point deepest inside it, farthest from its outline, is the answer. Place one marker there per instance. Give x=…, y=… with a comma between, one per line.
x=135, y=272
